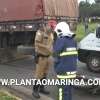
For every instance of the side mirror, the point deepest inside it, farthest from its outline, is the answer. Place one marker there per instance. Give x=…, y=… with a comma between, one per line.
x=98, y=32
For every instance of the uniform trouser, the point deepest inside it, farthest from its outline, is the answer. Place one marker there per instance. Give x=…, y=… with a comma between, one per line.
x=42, y=67
x=65, y=92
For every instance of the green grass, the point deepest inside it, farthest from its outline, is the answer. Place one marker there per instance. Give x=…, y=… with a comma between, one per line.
x=81, y=31
x=6, y=96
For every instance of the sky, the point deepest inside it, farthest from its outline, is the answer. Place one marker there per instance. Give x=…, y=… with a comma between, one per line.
x=91, y=1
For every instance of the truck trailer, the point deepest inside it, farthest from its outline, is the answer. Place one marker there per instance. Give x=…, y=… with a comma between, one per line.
x=20, y=19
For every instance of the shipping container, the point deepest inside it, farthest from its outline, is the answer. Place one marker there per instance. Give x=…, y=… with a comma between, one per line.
x=15, y=10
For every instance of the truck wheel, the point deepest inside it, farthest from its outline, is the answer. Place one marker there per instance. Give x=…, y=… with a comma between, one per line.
x=4, y=43
x=93, y=63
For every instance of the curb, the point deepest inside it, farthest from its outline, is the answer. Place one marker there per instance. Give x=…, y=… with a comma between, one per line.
x=27, y=92
x=9, y=94
x=16, y=59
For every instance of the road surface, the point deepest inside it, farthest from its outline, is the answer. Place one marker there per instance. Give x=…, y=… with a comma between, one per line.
x=25, y=69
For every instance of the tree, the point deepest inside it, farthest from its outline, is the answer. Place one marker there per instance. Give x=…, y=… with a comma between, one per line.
x=84, y=9
x=89, y=10
x=97, y=1
x=95, y=10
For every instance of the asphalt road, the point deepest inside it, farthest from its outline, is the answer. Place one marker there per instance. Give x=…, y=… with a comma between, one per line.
x=25, y=69
x=83, y=94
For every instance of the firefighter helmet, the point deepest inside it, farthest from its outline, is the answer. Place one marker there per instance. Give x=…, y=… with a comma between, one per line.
x=62, y=29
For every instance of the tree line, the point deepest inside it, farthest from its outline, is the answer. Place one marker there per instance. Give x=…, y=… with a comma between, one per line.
x=89, y=10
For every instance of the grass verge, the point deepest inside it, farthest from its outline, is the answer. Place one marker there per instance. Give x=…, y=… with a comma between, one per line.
x=4, y=95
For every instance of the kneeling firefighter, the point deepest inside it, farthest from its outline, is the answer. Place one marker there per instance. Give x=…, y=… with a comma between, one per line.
x=44, y=48
x=65, y=58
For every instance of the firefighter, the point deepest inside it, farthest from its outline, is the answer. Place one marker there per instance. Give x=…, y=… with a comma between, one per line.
x=65, y=54
x=43, y=47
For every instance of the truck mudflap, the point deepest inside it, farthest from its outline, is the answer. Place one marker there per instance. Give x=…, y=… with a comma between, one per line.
x=92, y=89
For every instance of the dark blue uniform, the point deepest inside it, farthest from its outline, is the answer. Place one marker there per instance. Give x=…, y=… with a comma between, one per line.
x=65, y=63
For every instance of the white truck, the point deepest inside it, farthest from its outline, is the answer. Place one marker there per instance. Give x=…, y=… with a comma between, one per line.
x=89, y=50
x=89, y=53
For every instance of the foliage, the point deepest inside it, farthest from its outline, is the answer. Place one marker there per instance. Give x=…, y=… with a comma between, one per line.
x=89, y=10
x=5, y=96
x=80, y=32
x=97, y=1
x=84, y=9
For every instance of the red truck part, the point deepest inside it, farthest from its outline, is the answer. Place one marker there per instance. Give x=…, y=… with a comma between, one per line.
x=14, y=10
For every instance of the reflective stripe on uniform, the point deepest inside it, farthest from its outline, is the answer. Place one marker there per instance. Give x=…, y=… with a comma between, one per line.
x=68, y=75
x=71, y=49
x=65, y=77
x=74, y=72
x=60, y=93
x=69, y=53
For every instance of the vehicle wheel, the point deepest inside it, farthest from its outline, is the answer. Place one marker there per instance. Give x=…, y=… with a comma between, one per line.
x=93, y=63
x=5, y=41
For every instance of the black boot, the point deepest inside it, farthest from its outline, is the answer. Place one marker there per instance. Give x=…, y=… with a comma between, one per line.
x=42, y=88
x=36, y=91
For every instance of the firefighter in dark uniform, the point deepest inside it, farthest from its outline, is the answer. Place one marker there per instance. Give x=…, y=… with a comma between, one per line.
x=65, y=54
x=44, y=48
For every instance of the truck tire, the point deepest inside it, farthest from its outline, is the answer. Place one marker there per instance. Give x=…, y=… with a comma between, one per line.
x=93, y=63
x=5, y=40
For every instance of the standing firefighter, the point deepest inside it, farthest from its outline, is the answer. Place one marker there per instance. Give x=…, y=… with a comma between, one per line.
x=65, y=58
x=43, y=47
